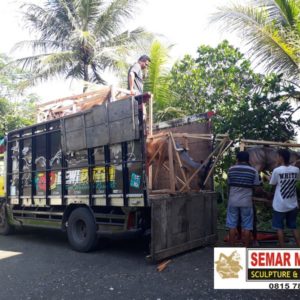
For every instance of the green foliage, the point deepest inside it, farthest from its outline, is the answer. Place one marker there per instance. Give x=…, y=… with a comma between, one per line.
x=248, y=105
x=157, y=83
x=78, y=39
x=270, y=29
x=16, y=108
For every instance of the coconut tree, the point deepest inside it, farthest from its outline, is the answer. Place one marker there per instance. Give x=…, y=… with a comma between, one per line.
x=157, y=82
x=78, y=39
x=271, y=30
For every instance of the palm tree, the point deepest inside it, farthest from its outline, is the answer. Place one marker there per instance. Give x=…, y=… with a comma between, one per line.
x=271, y=30
x=78, y=39
x=157, y=82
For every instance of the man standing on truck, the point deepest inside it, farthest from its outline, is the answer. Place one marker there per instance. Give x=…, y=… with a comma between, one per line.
x=136, y=76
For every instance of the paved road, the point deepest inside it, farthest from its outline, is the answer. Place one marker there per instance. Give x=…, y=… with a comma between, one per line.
x=44, y=267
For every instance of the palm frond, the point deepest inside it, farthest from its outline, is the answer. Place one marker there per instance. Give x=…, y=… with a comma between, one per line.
x=88, y=34
x=39, y=45
x=88, y=12
x=157, y=81
x=126, y=38
x=51, y=25
x=111, y=20
x=288, y=9
x=116, y=49
x=267, y=43
x=44, y=66
x=95, y=76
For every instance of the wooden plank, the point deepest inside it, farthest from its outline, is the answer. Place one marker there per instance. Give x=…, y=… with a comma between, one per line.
x=177, y=220
x=258, y=199
x=169, y=222
x=161, y=191
x=207, y=136
x=198, y=151
x=160, y=225
x=195, y=217
x=80, y=105
x=180, y=122
x=262, y=142
x=199, y=135
x=165, y=253
x=179, y=162
x=150, y=177
x=177, y=178
x=212, y=198
x=210, y=214
x=155, y=215
x=201, y=167
x=171, y=166
x=223, y=149
x=155, y=153
x=182, y=223
x=75, y=97
x=242, y=146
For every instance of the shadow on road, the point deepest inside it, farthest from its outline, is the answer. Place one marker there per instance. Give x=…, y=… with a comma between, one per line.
x=56, y=239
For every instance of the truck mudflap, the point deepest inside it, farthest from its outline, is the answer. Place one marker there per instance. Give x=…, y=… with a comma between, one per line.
x=182, y=223
x=6, y=219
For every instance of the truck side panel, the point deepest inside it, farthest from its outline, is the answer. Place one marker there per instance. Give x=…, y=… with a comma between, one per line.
x=44, y=177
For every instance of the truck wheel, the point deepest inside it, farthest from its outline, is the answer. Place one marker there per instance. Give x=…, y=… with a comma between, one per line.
x=5, y=227
x=81, y=230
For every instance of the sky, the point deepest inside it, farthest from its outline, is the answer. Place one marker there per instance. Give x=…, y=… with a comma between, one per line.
x=185, y=24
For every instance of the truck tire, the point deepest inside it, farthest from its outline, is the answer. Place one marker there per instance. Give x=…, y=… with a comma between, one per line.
x=82, y=230
x=5, y=227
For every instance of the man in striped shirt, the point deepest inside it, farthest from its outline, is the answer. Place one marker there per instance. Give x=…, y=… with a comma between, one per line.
x=242, y=178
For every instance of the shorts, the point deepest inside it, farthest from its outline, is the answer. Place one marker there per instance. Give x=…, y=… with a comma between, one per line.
x=235, y=215
x=289, y=216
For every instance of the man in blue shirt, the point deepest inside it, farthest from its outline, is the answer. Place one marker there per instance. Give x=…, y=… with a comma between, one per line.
x=242, y=178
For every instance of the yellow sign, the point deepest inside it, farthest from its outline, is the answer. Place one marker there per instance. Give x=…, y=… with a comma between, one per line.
x=84, y=176
x=2, y=193
x=99, y=174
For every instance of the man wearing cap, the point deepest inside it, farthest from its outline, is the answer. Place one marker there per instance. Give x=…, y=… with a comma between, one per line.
x=135, y=75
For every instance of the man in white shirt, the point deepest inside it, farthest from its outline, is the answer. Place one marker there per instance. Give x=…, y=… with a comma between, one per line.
x=285, y=203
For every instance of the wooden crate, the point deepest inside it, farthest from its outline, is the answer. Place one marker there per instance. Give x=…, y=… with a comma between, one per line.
x=181, y=223
x=199, y=150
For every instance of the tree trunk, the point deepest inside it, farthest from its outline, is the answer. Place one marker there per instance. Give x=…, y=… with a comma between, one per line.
x=85, y=77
